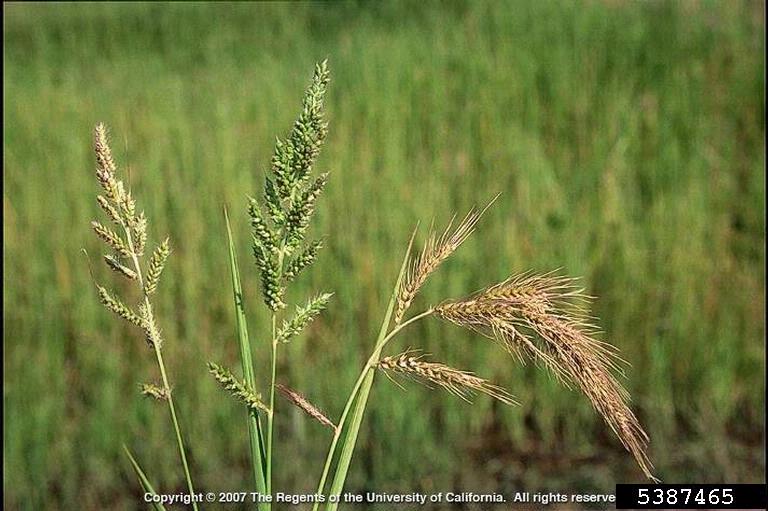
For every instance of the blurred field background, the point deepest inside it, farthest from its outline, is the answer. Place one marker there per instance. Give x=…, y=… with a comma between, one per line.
x=626, y=139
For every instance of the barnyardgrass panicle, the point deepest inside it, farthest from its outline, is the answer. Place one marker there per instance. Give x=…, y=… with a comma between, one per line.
x=302, y=260
x=154, y=391
x=304, y=405
x=118, y=267
x=279, y=224
x=111, y=238
x=463, y=384
x=156, y=265
x=303, y=316
x=237, y=388
x=435, y=251
x=118, y=307
x=544, y=318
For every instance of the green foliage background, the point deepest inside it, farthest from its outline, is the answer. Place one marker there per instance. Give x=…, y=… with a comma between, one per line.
x=626, y=139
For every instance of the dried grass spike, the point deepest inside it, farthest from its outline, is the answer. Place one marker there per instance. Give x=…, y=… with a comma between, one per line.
x=435, y=251
x=535, y=316
x=105, y=165
x=301, y=402
x=151, y=331
x=455, y=381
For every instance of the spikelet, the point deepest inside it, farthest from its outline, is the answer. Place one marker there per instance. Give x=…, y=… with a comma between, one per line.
x=111, y=238
x=155, y=391
x=460, y=383
x=304, y=405
x=239, y=389
x=115, y=265
x=118, y=307
x=304, y=315
x=261, y=232
x=301, y=261
x=271, y=289
x=156, y=265
x=542, y=317
x=435, y=251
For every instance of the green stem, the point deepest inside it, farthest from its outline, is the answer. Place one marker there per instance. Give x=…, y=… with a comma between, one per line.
x=367, y=379
x=161, y=365
x=176, y=427
x=372, y=360
x=271, y=418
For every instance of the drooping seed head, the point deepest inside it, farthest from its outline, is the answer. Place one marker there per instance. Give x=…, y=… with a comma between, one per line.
x=542, y=317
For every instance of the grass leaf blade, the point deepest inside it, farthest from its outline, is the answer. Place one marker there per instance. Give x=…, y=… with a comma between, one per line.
x=254, y=424
x=145, y=484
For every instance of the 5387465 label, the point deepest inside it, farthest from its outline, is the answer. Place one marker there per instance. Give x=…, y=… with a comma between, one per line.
x=691, y=496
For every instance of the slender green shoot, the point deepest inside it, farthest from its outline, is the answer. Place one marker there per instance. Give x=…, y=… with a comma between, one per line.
x=145, y=484
x=254, y=422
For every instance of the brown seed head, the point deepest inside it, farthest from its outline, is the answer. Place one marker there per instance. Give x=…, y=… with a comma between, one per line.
x=301, y=402
x=460, y=383
x=539, y=317
x=435, y=251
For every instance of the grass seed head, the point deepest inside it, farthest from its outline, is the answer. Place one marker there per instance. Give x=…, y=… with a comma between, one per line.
x=435, y=251
x=111, y=238
x=239, y=389
x=304, y=405
x=155, y=391
x=460, y=383
x=156, y=265
x=118, y=307
x=542, y=317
